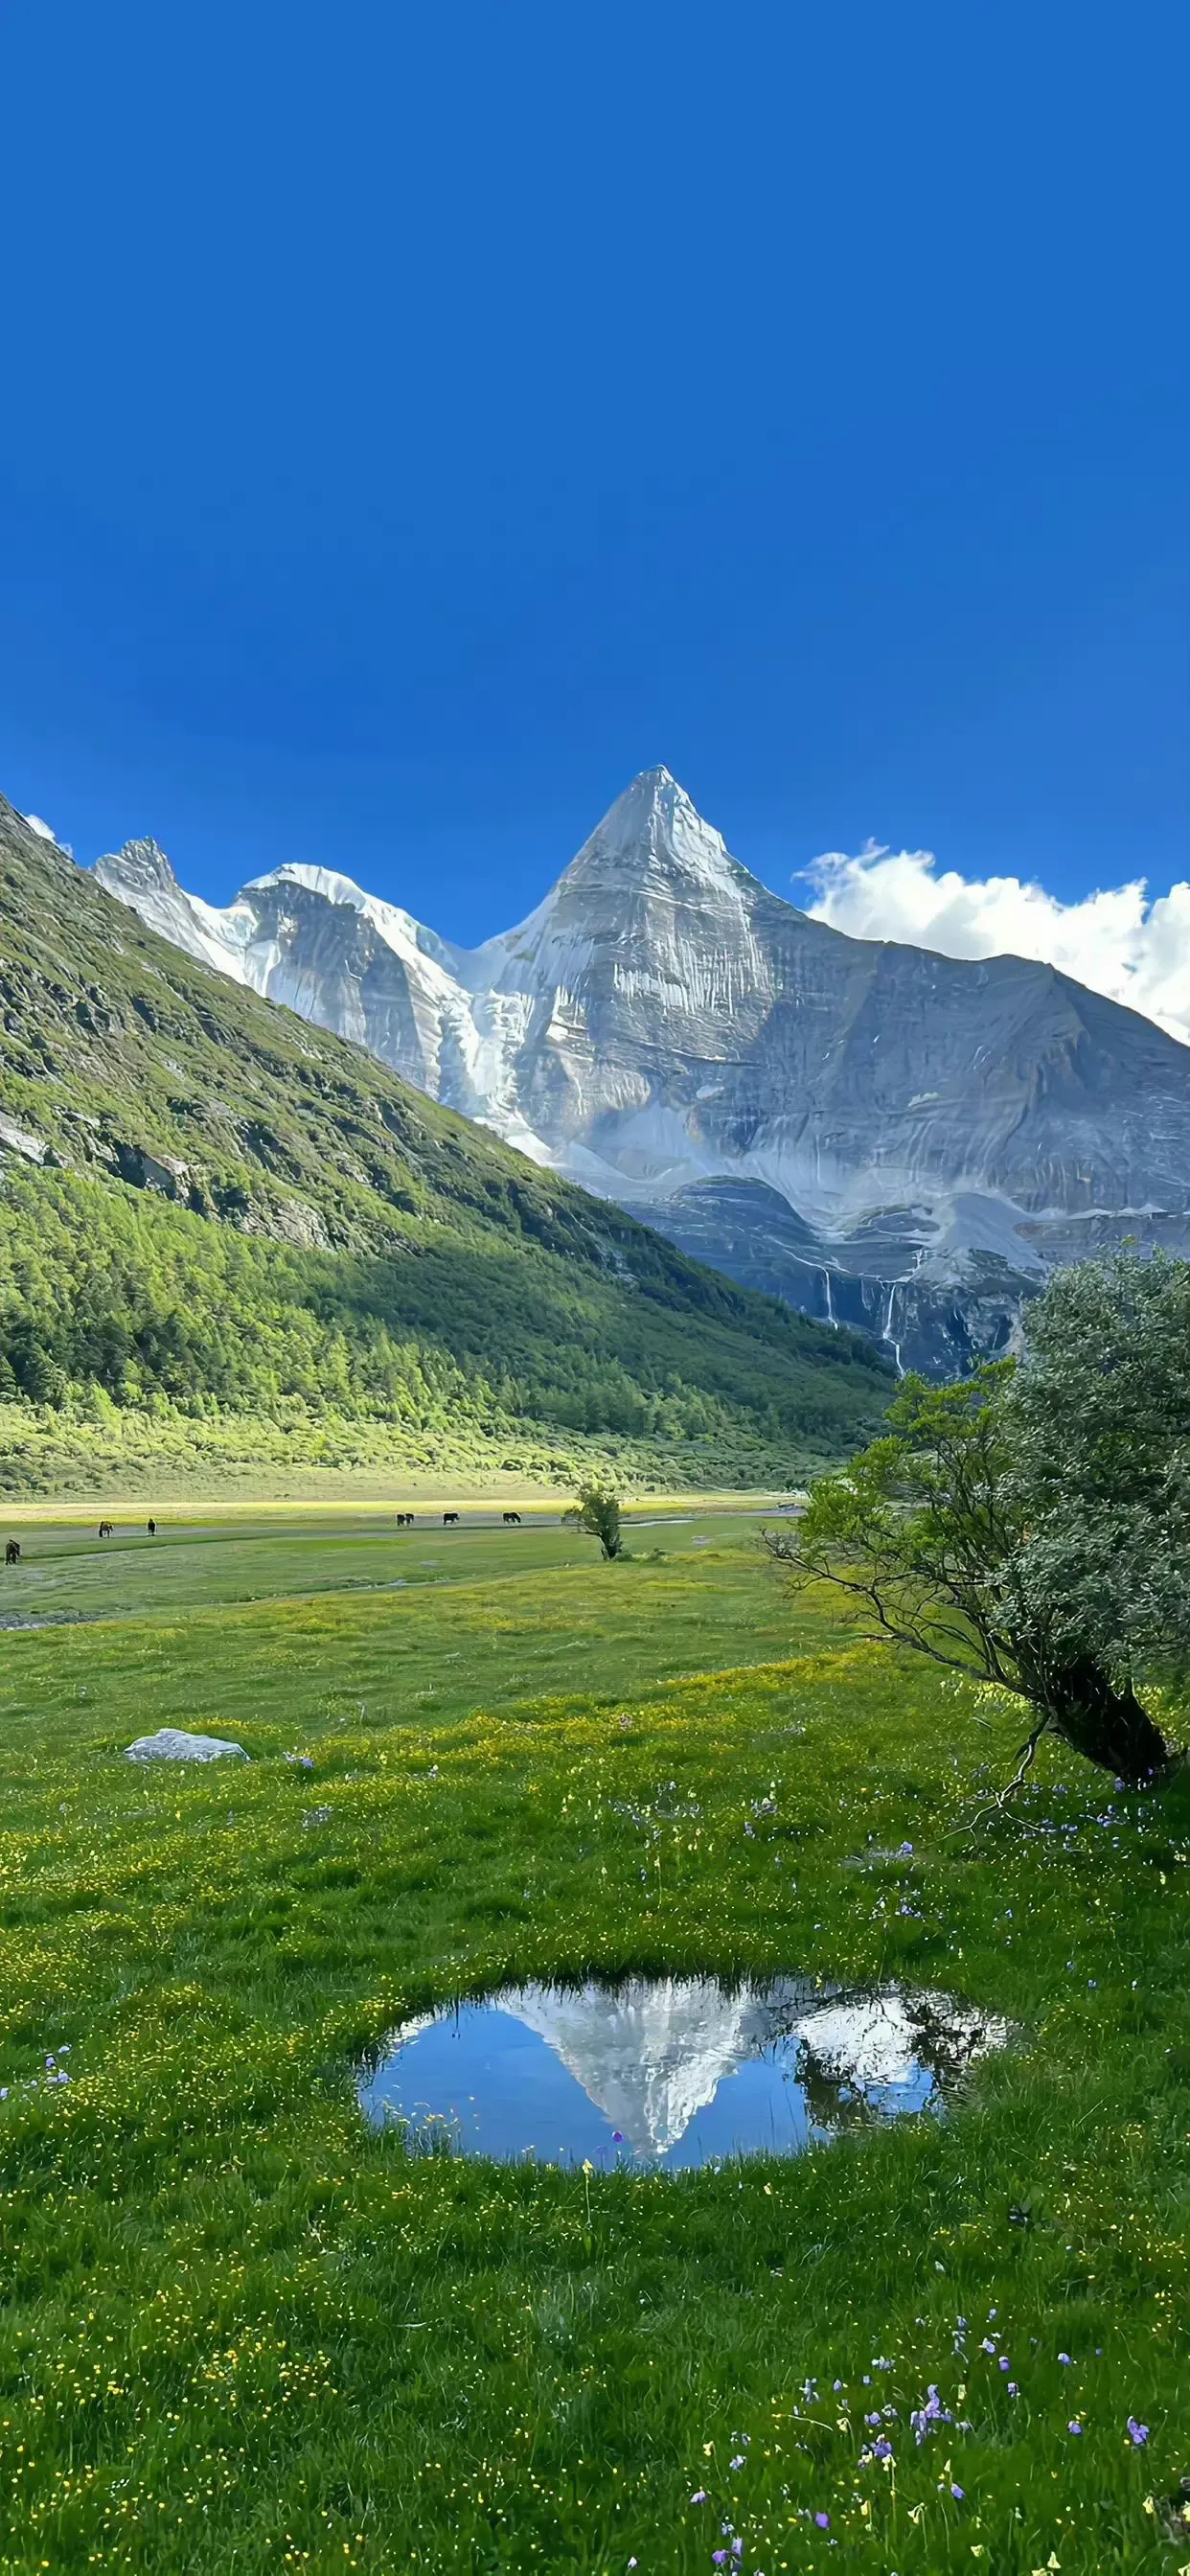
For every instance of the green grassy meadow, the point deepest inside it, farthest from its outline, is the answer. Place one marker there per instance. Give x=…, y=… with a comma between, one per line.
x=241, y=2330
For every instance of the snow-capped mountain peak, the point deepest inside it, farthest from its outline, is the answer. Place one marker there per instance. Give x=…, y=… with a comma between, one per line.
x=655, y=832
x=397, y=927
x=886, y=1137
x=141, y=875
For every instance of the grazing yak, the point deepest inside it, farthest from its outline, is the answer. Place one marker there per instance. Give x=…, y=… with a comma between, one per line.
x=404, y=1520
x=105, y=1529
x=450, y=1520
x=512, y=1520
x=12, y=1553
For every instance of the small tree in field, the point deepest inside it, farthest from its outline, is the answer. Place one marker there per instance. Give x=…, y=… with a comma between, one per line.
x=597, y=1511
x=1031, y=1526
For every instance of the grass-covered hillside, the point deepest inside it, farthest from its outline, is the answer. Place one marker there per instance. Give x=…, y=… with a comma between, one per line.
x=232, y=1244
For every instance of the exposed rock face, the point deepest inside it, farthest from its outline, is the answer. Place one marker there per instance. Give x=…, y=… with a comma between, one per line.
x=17, y=1140
x=880, y=1135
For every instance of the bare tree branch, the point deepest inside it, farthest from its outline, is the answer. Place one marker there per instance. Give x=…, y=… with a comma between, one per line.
x=999, y=1802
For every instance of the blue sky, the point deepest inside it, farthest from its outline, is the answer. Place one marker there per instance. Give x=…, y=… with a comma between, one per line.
x=417, y=421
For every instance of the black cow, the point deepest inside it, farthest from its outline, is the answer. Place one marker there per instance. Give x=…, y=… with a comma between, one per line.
x=151, y=1526
x=512, y=1520
x=450, y=1520
x=105, y=1529
x=12, y=1553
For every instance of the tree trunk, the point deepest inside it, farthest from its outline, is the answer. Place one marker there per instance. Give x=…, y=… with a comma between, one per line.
x=1106, y=1725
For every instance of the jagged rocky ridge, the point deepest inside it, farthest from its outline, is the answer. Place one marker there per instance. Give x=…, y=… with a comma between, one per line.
x=879, y=1135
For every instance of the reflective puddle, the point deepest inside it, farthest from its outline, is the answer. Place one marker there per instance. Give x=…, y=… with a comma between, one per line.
x=670, y=2072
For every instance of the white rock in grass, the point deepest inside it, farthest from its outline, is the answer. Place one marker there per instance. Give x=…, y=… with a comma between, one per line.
x=172, y=1744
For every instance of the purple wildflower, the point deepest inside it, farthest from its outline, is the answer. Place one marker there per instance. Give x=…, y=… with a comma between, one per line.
x=1005, y=2363
x=958, y=2493
x=700, y=2496
x=1064, y=2356
x=823, y=2521
x=1074, y=2426
x=1138, y=2433
x=718, y=2558
x=738, y=2462
x=924, y=2418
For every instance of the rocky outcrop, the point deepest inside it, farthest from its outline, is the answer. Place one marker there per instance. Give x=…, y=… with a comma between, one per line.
x=19, y=1140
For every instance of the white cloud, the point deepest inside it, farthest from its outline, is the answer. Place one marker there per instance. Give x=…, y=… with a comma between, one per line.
x=42, y=830
x=1116, y=940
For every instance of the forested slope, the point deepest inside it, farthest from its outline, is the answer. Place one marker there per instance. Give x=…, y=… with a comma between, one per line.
x=228, y=1237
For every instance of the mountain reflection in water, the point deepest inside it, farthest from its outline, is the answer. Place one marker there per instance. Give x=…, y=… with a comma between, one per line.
x=670, y=2071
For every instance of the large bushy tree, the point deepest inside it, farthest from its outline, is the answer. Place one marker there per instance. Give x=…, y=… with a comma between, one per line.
x=1031, y=1525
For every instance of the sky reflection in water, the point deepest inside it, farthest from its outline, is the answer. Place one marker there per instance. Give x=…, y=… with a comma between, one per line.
x=670, y=2072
